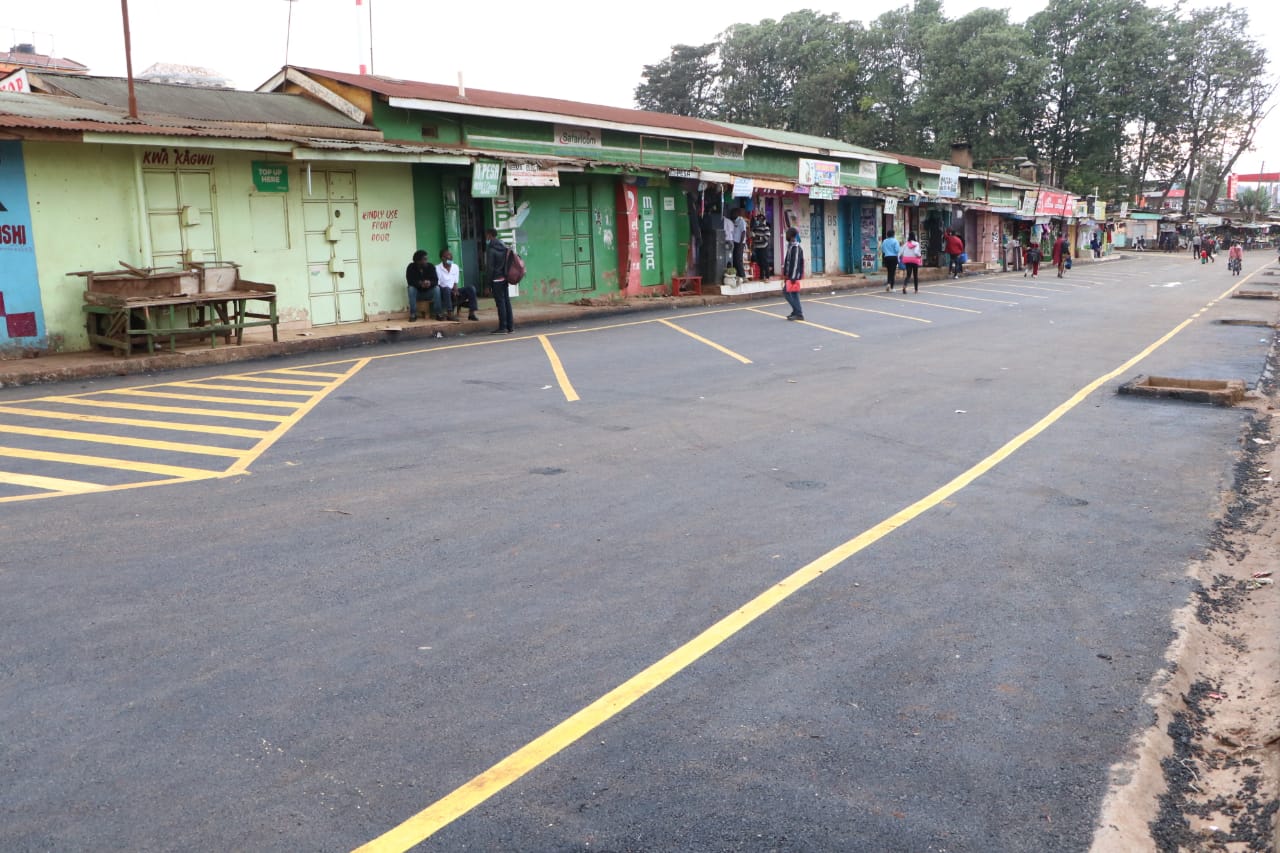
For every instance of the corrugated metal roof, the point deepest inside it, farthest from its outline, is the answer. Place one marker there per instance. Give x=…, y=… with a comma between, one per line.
x=201, y=104
x=807, y=141
x=39, y=60
x=58, y=112
x=486, y=99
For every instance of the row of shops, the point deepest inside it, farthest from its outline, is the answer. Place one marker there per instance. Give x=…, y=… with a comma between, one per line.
x=325, y=183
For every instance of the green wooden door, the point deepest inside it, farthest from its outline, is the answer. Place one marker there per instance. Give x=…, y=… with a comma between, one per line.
x=577, y=269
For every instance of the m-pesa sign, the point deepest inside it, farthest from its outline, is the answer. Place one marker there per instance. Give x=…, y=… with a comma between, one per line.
x=16, y=82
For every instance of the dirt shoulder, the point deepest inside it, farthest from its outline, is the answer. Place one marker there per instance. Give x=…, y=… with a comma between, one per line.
x=1205, y=775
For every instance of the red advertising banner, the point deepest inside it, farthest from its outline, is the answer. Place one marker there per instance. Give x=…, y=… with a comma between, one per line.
x=1054, y=203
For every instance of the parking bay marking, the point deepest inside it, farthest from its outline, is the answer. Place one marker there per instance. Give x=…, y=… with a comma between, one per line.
x=479, y=789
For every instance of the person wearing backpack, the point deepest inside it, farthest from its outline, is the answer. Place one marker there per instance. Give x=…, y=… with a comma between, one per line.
x=792, y=272
x=1033, y=258
x=496, y=257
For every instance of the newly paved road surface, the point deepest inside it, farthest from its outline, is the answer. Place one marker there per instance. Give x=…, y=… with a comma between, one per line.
x=893, y=579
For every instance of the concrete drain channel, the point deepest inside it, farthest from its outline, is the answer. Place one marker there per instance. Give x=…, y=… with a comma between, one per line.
x=1218, y=392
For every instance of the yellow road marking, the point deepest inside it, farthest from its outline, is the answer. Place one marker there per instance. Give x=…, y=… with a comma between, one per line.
x=808, y=323
x=199, y=384
x=939, y=292
x=715, y=346
x=463, y=799
x=176, y=426
x=288, y=423
x=557, y=368
x=204, y=398
x=54, y=484
x=123, y=441
x=175, y=410
x=298, y=371
x=869, y=310
x=920, y=302
x=106, y=462
x=993, y=290
x=250, y=377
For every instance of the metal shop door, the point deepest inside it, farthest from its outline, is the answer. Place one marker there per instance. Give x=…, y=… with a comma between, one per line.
x=817, y=238
x=577, y=267
x=333, y=249
x=180, y=216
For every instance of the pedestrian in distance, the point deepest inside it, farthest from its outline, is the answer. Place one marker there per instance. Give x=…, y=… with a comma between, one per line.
x=1033, y=258
x=792, y=272
x=420, y=276
x=953, y=245
x=496, y=257
x=1235, y=258
x=1061, y=252
x=739, y=225
x=762, y=244
x=912, y=257
x=890, y=249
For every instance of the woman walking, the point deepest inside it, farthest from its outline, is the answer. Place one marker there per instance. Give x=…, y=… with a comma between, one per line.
x=911, y=260
x=890, y=248
x=792, y=272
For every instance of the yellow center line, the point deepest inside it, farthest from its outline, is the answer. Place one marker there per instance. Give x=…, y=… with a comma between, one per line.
x=557, y=368
x=920, y=302
x=248, y=389
x=122, y=441
x=715, y=346
x=808, y=323
x=106, y=462
x=176, y=410
x=938, y=292
x=463, y=799
x=175, y=426
x=828, y=301
x=204, y=398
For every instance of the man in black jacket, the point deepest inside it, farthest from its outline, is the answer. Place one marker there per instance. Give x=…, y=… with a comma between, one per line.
x=421, y=278
x=496, y=255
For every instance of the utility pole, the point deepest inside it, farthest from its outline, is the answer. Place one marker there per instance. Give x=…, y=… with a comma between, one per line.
x=128, y=59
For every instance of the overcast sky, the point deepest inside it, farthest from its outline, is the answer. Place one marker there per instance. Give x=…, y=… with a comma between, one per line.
x=576, y=51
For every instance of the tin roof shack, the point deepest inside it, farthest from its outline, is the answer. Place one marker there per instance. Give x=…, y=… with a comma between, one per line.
x=279, y=184
x=596, y=198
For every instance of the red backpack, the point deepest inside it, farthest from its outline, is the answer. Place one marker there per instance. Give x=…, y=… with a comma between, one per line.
x=515, y=267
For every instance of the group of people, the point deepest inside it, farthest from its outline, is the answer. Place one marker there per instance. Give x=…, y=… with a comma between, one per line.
x=1033, y=256
x=908, y=255
x=441, y=283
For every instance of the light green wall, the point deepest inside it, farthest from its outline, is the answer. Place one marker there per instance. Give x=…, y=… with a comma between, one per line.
x=87, y=214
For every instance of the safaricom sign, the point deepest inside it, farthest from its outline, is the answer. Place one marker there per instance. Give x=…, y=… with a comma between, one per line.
x=577, y=137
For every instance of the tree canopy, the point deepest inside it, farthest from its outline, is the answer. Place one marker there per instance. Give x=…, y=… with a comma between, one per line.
x=1104, y=95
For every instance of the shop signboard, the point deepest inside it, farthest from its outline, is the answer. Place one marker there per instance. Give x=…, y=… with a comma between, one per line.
x=270, y=177
x=819, y=173
x=531, y=175
x=486, y=179
x=949, y=182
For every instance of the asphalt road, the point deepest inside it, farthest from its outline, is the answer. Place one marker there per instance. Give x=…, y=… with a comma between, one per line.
x=438, y=559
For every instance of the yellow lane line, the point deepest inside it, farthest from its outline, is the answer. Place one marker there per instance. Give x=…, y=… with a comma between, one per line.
x=259, y=377
x=807, y=323
x=869, y=310
x=175, y=410
x=557, y=368
x=288, y=423
x=175, y=426
x=699, y=338
x=96, y=489
x=122, y=441
x=444, y=811
x=921, y=302
x=105, y=462
x=993, y=290
x=937, y=292
x=204, y=398
x=51, y=484
x=248, y=389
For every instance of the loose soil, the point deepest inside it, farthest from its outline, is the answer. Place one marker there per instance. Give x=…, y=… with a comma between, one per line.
x=1204, y=776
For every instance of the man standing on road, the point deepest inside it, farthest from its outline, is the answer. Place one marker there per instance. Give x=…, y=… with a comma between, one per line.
x=792, y=272
x=953, y=245
x=496, y=255
x=1061, y=252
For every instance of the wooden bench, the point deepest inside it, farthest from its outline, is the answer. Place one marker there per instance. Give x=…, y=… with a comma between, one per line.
x=140, y=307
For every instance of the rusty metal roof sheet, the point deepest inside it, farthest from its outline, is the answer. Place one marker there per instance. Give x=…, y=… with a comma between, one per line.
x=36, y=61
x=485, y=99
x=200, y=104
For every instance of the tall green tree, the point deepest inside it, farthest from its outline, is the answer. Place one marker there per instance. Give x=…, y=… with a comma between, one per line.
x=981, y=84
x=894, y=50
x=686, y=83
